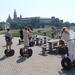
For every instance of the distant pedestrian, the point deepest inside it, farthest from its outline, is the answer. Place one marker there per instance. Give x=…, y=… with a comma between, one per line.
x=52, y=34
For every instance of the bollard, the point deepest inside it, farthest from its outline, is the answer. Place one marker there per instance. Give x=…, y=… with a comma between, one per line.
x=43, y=50
x=44, y=40
x=37, y=41
x=50, y=46
x=41, y=42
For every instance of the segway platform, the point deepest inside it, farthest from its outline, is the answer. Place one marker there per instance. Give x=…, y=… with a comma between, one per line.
x=28, y=53
x=9, y=53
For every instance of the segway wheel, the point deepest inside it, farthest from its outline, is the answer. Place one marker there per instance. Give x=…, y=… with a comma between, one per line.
x=10, y=53
x=30, y=52
x=66, y=63
x=21, y=52
x=26, y=54
x=5, y=52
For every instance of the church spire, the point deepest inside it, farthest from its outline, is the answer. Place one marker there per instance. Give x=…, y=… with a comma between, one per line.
x=15, y=14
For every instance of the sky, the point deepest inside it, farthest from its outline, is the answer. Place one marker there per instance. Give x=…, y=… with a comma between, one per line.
x=62, y=9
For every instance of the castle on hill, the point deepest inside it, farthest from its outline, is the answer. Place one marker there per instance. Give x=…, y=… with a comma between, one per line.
x=28, y=20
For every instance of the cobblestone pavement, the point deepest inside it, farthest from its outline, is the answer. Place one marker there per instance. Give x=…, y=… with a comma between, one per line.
x=37, y=64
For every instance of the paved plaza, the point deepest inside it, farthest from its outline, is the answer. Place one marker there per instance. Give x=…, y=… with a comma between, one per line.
x=37, y=64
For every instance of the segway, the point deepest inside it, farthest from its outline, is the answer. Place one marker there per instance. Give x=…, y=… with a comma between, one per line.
x=9, y=53
x=66, y=63
x=27, y=53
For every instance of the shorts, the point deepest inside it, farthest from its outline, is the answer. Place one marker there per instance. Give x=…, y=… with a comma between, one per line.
x=8, y=42
x=26, y=42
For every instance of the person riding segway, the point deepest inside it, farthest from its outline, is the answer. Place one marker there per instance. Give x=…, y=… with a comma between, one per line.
x=69, y=60
x=26, y=51
x=8, y=39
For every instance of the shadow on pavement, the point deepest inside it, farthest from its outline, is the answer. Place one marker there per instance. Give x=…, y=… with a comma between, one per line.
x=42, y=54
x=21, y=59
x=54, y=52
x=67, y=72
x=3, y=58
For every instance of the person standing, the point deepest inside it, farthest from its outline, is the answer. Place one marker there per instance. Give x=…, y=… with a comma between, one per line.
x=21, y=34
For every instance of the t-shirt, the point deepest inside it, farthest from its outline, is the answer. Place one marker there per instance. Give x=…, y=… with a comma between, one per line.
x=26, y=35
x=8, y=36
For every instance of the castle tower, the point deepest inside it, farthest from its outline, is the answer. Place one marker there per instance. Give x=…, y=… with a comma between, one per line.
x=9, y=19
x=20, y=16
x=15, y=14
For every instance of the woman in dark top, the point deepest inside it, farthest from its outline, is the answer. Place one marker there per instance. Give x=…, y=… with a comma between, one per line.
x=21, y=34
